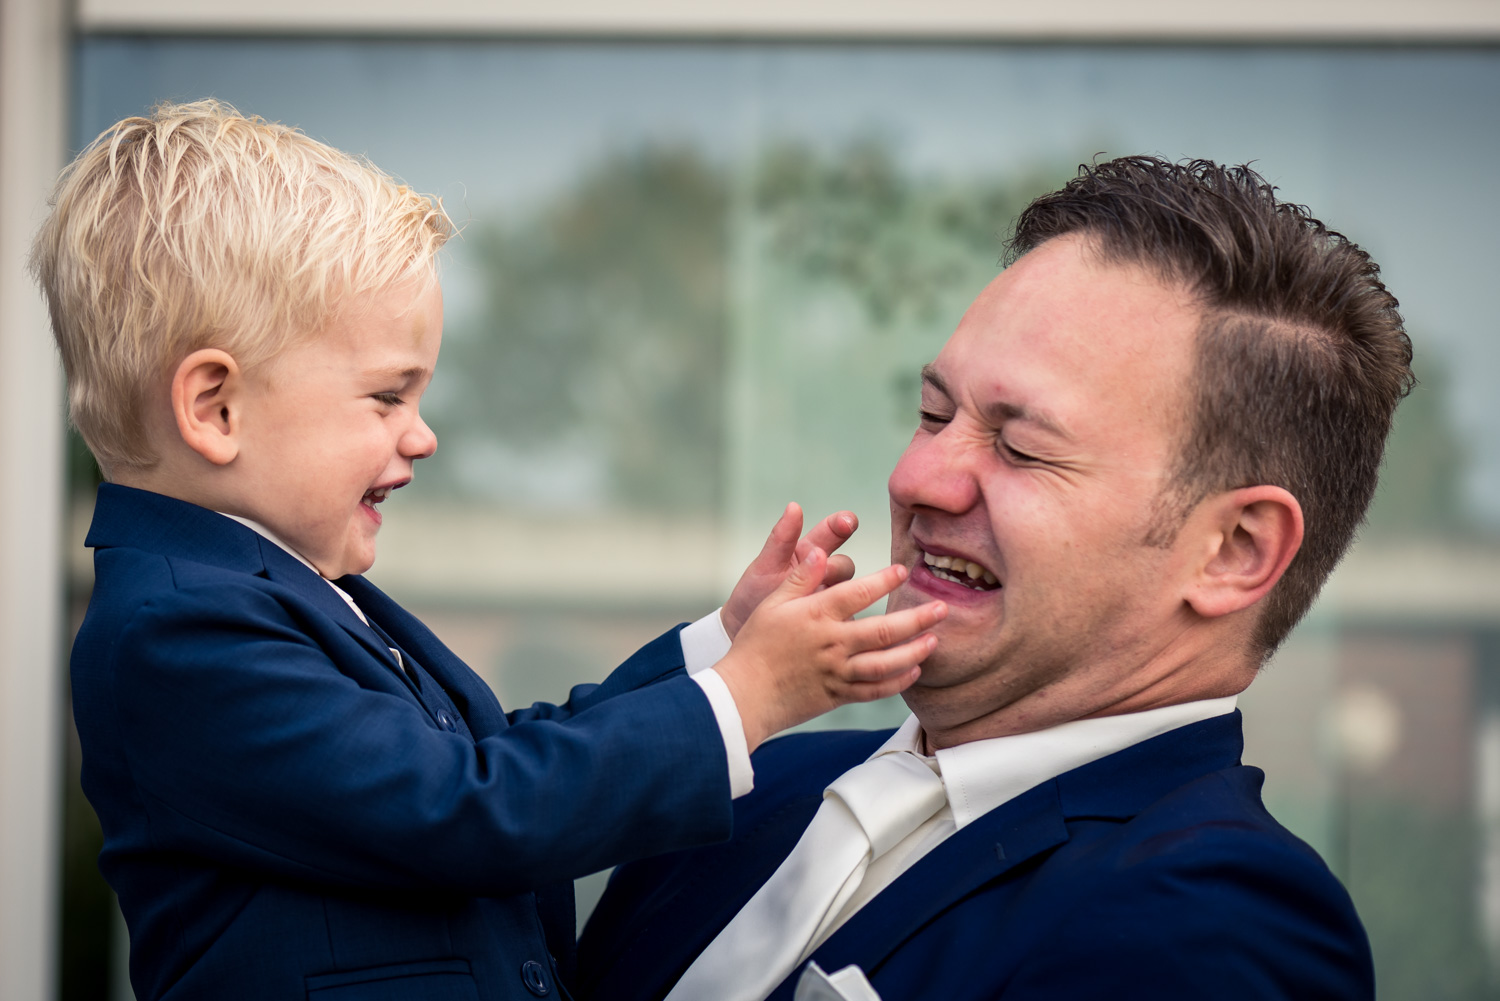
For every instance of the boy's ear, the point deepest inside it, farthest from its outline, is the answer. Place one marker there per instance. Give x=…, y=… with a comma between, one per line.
x=206, y=398
x=1250, y=536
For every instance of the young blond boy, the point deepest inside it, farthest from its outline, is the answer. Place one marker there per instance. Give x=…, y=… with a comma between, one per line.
x=303, y=792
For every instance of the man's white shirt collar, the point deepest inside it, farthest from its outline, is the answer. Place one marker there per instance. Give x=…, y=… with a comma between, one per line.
x=983, y=774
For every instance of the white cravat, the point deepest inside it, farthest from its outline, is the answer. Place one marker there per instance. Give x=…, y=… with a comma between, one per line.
x=865, y=812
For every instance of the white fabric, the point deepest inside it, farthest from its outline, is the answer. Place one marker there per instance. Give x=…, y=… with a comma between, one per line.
x=848, y=984
x=704, y=644
x=731, y=731
x=865, y=812
x=976, y=778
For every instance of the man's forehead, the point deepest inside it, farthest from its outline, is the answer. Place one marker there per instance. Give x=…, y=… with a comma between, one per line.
x=1064, y=337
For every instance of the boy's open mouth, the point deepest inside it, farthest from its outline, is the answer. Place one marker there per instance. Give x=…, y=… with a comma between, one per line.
x=373, y=497
x=960, y=571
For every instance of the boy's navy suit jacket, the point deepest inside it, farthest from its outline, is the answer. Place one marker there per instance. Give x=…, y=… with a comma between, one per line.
x=1154, y=873
x=287, y=815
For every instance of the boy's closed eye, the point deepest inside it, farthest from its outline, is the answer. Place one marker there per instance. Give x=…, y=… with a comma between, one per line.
x=388, y=399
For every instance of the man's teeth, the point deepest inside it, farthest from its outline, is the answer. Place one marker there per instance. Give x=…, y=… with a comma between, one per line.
x=958, y=570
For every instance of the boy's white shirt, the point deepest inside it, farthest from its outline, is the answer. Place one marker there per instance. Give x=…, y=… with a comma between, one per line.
x=704, y=644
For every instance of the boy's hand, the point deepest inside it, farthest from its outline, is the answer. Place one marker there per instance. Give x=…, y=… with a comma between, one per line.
x=781, y=553
x=801, y=654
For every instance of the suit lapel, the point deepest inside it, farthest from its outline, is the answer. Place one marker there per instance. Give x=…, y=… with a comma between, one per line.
x=286, y=570
x=471, y=696
x=1118, y=786
x=985, y=850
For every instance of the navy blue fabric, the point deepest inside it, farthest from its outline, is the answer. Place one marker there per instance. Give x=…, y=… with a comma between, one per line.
x=288, y=814
x=1154, y=873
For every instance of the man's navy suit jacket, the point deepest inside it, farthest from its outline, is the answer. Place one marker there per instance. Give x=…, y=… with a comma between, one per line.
x=1154, y=873
x=287, y=814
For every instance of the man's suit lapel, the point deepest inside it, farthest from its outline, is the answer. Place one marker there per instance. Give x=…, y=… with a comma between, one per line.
x=1031, y=825
x=1015, y=833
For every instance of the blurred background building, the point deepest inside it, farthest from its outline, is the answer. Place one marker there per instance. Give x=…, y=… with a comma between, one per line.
x=706, y=249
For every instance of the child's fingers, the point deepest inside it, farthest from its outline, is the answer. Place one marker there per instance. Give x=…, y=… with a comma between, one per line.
x=840, y=569
x=875, y=666
x=869, y=691
x=843, y=600
x=880, y=631
x=833, y=531
x=781, y=543
x=804, y=579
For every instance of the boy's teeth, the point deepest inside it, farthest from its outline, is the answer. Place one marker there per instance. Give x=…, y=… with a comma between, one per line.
x=961, y=571
x=376, y=496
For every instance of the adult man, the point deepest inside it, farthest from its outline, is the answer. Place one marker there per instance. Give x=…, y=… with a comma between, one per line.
x=1141, y=453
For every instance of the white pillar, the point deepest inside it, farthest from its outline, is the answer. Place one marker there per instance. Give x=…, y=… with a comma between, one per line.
x=33, y=109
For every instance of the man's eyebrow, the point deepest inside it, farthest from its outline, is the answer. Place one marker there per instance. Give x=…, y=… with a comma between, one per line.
x=1000, y=411
x=931, y=377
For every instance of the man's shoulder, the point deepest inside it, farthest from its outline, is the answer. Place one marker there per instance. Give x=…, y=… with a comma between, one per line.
x=1216, y=824
x=1200, y=885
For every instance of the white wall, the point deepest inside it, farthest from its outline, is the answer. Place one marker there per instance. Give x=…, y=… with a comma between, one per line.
x=1460, y=20
x=32, y=113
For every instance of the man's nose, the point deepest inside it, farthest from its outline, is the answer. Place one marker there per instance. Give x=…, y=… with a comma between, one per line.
x=418, y=442
x=933, y=473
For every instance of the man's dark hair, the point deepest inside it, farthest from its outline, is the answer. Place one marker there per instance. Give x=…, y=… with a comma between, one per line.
x=1301, y=357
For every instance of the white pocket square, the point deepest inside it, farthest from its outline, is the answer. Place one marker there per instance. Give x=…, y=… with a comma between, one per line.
x=848, y=984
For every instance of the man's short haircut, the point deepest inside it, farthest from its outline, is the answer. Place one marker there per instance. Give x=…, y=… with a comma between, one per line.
x=1301, y=356
x=198, y=227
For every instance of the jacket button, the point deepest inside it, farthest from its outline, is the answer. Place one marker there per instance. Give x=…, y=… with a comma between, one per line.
x=447, y=721
x=535, y=978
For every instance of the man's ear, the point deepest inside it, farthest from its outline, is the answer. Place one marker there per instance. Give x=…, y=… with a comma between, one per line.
x=1250, y=536
x=207, y=392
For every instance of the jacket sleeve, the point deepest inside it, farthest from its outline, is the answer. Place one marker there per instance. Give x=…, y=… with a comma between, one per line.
x=652, y=663
x=248, y=746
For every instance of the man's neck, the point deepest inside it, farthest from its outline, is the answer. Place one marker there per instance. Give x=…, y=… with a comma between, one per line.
x=948, y=715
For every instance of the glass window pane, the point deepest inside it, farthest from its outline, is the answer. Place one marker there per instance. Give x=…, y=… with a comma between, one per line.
x=697, y=280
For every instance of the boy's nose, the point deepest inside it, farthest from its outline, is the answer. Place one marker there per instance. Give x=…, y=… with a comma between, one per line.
x=419, y=442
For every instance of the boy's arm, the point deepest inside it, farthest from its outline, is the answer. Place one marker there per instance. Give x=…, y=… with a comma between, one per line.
x=706, y=641
x=248, y=746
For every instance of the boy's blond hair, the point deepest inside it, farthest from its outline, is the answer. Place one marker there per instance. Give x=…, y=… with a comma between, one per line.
x=198, y=227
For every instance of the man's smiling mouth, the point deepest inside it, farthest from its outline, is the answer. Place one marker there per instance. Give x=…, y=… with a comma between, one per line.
x=960, y=571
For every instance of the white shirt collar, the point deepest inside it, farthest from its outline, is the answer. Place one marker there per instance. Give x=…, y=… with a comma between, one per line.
x=983, y=774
